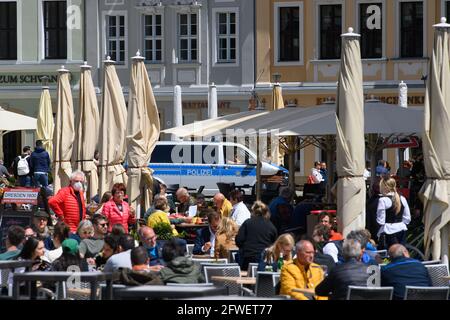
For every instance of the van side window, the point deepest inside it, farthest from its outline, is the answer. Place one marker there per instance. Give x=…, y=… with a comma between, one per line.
x=236, y=156
x=162, y=154
x=205, y=154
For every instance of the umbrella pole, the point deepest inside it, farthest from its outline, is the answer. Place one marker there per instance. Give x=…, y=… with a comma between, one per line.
x=291, y=156
x=258, y=170
x=445, y=243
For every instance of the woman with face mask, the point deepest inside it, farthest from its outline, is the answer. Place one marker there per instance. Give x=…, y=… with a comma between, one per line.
x=69, y=203
x=116, y=210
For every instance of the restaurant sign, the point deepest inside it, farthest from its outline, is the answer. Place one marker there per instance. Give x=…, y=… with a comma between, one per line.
x=31, y=79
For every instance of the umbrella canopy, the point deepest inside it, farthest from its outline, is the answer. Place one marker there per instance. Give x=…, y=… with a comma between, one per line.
x=45, y=122
x=64, y=133
x=379, y=118
x=11, y=121
x=113, y=125
x=214, y=126
x=87, y=121
x=436, y=142
x=350, y=151
x=143, y=130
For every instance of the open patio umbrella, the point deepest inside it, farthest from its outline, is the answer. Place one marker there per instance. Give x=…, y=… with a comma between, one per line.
x=87, y=122
x=12, y=121
x=45, y=122
x=113, y=126
x=436, y=147
x=350, y=149
x=64, y=133
x=143, y=130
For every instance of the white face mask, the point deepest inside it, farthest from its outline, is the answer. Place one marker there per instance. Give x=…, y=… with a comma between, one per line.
x=77, y=186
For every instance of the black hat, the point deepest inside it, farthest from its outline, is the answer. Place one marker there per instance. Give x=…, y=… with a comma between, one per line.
x=41, y=214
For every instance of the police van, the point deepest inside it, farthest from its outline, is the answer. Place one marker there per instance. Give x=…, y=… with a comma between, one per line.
x=196, y=163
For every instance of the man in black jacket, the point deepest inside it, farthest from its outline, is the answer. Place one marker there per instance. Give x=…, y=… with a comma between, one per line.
x=403, y=271
x=206, y=237
x=351, y=273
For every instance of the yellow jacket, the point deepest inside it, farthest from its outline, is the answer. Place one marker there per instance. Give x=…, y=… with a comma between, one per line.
x=158, y=217
x=293, y=275
x=225, y=211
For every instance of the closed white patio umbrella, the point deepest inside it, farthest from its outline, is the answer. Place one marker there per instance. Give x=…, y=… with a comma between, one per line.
x=113, y=125
x=45, y=122
x=350, y=151
x=64, y=133
x=143, y=128
x=436, y=148
x=87, y=122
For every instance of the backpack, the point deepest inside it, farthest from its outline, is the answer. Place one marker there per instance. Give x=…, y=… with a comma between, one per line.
x=23, y=167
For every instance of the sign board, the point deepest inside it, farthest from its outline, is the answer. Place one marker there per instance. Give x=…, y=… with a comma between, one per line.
x=402, y=143
x=21, y=196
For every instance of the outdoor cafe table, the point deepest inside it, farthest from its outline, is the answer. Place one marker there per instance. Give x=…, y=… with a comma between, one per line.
x=92, y=277
x=237, y=280
x=169, y=292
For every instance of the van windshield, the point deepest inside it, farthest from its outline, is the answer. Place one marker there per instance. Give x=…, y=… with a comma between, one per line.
x=238, y=156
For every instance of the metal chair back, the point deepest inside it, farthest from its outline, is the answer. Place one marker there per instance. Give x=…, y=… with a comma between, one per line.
x=369, y=293
x=437, y=272
x=266, y=283
x=224, y=271
x=426, y=293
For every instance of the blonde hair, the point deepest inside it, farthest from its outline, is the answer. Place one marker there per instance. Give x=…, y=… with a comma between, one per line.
x=228, y=227
x=273, y=253
x=389, y=185
x=259, y=208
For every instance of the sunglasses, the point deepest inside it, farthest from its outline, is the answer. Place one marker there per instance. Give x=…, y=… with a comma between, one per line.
x=103, y=225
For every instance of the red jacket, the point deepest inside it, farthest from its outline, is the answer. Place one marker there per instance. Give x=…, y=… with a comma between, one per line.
x=65, y=205
x=114, y=216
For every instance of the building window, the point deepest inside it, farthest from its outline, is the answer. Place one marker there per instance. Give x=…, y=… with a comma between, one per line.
x=153, y=37
x=330, y=31
x=55, y=29
x=289, y=34
x=226, y=37
x=371, y=33
x=411, y=29
x=188, y=37
x=115, y=37
x=8, y=31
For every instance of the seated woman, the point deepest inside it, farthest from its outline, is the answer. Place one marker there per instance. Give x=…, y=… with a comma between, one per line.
x=225, y=238
x=278, y=254
x=161, y=215
x=85, y=231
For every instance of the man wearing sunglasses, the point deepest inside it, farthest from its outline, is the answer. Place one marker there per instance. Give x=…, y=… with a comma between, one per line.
x=91, y=247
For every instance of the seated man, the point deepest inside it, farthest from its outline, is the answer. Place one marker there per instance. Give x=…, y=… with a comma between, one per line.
x=140, y=273
x=123, y=258
x=185, y=201
x=206, y=237
x=240, y=212
x=302, y=273
x=14, y=240
x=403, y=271
x=222, y=204
x=148, y=238
x=350, y=273
x=179, y=268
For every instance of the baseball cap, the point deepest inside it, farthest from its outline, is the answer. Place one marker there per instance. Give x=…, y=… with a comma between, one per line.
x=70, y=246
x=42, y=214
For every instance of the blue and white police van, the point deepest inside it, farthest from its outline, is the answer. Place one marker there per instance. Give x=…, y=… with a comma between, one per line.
x=197, y=163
